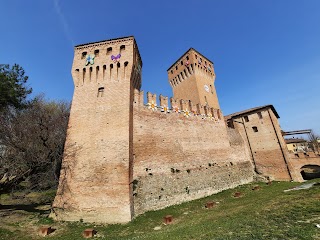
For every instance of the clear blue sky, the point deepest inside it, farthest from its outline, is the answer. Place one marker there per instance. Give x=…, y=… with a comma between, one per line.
x=265, y=52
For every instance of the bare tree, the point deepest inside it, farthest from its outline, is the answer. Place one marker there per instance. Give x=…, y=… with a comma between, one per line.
x=32, y=141
x=314, y=142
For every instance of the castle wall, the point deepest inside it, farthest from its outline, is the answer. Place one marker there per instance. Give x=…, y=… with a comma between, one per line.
x=178, y=158
x=266, y=143
x=97, y=167
x=298, y=160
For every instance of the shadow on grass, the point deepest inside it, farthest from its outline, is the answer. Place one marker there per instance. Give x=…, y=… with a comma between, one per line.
x=32, y=208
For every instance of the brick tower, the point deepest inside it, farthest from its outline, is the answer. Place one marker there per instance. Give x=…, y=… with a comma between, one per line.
x=96, y=174
x=192, y=78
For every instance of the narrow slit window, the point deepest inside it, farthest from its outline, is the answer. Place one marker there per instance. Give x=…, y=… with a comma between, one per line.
x=104, y=71
x=246, y=118
x=171, y=71
x=83, y=74
x=219, y=113
x=97, y=72
x=255, y=129
x=90, y=73
x=187, y=57
x=181, y=62
x=100, y=92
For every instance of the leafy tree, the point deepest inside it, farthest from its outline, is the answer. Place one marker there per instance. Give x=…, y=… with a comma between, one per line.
x=33, y=142
x=13, y=89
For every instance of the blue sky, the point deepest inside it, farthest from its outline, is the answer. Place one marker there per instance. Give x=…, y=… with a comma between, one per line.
x=265, y=52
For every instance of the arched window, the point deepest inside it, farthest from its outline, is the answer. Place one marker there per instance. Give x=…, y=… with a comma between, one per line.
x=100, y=92
x=122, y=48
x=84, y=54
x=109, y=50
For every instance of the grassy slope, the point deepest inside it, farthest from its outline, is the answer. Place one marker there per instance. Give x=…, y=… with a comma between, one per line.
x=268, y=213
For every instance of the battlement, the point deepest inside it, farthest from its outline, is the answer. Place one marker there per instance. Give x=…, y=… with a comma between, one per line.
x=176, y=106
x=192, y=77
x=113, y=59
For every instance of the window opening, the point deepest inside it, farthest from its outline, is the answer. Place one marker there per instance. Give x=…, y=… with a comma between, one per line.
x=96, y=53
x=100, y=91
x=260, y=115
x=246, y=118
x=255, y=129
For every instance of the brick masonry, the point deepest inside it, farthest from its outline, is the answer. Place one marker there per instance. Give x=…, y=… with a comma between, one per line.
x=124, y=156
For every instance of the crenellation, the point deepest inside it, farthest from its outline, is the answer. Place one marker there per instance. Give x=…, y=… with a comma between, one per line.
x=151, y=98
x=183, y=105
x=200, y=109
x=163, y=101
x=138, y=99
x=134, y=156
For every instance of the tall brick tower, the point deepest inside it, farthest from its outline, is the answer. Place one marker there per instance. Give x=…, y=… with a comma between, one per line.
x=96, y=174
x=192, y=78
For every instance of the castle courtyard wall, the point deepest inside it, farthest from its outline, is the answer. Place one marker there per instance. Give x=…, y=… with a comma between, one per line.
x=178, y=159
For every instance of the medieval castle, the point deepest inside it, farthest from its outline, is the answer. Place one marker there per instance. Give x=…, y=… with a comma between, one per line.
x=125, y=156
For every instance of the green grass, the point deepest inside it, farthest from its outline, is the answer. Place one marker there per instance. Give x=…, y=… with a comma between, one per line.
x=268, y=213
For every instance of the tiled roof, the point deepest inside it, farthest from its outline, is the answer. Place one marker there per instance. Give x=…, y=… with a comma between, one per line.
x=250, y=110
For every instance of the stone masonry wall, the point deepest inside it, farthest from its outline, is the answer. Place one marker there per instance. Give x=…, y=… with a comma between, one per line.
x=178, y=158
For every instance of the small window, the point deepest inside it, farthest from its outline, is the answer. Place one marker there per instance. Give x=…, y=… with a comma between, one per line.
x=181, y=62
x=122, y=47
x=84, y=54
x=196, y=56
x=96, y=53
x=171, y=71
x=255, y=129
x=126, y=64
x=246, y=118
x=187, y=57
x=230, y=124
x=176, y=67
x=100, y=91
x=109, y=50
x=260, y=115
